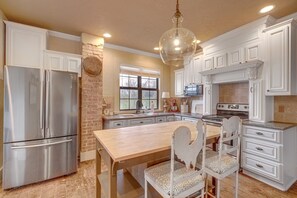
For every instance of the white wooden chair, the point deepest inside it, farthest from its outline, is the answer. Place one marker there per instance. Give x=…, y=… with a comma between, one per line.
x=173, y=178
x=225, y=162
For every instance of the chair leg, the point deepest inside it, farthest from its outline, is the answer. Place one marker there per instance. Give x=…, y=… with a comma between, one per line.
x=145, y=189
x=236, y=184
x=218, y=189
x=206, y=186
x=202, y=193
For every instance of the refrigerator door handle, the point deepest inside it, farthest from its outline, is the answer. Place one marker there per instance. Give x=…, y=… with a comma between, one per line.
x=41, y=103
x=41, y=145
x=47, y=99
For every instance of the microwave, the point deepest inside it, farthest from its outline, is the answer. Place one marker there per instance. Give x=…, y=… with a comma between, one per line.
x=193, y=90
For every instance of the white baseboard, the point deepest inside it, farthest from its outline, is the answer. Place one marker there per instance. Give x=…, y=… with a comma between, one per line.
x=89, y=155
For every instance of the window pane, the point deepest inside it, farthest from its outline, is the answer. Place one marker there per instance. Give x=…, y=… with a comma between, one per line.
x=124, y=104
x=146, y=104
x=124, y=81
x=153, y=83
x=134, y=94
x=144, y=82
x=155, y=103
x=145, y=94
x=133, y=82
x=133, y=104
x=153, y=94
x=124, y=93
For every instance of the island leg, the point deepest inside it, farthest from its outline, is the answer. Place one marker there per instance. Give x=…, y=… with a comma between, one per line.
x=98, y=172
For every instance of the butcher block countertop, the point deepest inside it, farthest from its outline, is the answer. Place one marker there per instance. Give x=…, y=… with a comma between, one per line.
x=131, y=142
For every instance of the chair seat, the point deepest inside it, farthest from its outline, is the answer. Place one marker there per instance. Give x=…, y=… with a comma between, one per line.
x=183, y=179
x=208, y=154
x=226, y=163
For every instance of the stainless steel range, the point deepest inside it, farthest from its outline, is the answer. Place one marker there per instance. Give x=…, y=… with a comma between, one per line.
x=227, y=110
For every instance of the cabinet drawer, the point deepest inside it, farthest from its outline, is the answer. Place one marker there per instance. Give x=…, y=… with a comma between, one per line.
x=263, y=133
x=135, y=122
x=264, y=149
x=265, y=168
x=170, y=118
x=177, y=118
x=161, y=119
x=190, y=119
x=117, y=124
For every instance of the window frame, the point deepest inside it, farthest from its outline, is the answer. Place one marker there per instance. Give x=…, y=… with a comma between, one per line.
x=139, y=88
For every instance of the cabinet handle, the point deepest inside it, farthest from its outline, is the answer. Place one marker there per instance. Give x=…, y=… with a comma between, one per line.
x=267, y=90
x=118, y=124
x=141, y=122
x=259, y=133
x=259, y=148
x=251, y=89
x=259, y=165
x=160, y=120
x=240, y=62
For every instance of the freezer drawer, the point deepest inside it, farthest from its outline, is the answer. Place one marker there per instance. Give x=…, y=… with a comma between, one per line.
x=34, y=161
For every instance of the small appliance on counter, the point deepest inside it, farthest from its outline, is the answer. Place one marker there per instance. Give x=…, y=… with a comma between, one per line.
x=197, y=106
x=184, y=108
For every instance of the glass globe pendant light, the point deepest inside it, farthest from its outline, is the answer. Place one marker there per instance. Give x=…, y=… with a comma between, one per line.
x=177, y=45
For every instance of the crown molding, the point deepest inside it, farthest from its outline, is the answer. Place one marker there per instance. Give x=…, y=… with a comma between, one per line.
x=130, y=50
x=64, y=36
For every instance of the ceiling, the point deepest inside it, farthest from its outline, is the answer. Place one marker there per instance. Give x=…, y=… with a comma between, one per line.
x=139, y=24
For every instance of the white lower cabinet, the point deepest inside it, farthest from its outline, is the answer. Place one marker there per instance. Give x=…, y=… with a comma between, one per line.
x=190, y=119
x=269, y=155
x=161, y=119
x=136, y=122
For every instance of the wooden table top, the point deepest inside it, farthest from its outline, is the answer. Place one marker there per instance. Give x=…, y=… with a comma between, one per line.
x=130, y=142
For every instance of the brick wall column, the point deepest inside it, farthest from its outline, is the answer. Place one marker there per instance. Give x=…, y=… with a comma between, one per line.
x=91, y=97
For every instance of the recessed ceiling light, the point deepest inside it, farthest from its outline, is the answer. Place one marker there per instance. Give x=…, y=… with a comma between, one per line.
x=107, y=35
x=156, y=48
x=266, y=9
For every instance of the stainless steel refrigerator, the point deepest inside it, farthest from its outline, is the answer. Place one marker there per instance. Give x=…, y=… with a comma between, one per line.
x=40, y=125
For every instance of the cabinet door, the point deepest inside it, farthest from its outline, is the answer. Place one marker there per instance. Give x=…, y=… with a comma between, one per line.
x=255, y=100
x=207, y=100
x=220, y=60
x=252, y=52
x=235, y=56
x=187, y=74
x=208, y=63
x=54, y=61
x=73, y=64
x=278, y=65
x=179, y=82
x=197, y=68
x=24, y=45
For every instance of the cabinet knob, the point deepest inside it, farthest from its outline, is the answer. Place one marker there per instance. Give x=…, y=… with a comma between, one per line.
x=259, y=148
x=259, y=165
x=118, y=124
x=267, y=90
x=141, y=122
x=259, y=133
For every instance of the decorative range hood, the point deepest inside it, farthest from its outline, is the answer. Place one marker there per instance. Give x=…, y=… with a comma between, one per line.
x=233, y=73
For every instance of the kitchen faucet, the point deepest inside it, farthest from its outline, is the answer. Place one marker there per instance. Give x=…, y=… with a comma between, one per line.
x=139, y=105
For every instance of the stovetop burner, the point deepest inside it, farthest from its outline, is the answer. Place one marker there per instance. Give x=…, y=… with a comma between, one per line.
x=225, y=110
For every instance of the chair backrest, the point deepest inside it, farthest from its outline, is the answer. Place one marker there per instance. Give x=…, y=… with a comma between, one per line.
x=230, y=131
x=186, y=150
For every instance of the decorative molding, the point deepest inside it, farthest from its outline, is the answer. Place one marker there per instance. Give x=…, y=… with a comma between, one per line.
x=290, y=21
x=64, y=36
x=291, y=16
x=254, y=63
x=88, y=155
x=208, y=79
x=130, y=50
x=252, y=73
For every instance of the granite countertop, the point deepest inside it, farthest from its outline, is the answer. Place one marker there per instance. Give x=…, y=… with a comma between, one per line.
x=192, y=115
x=271, y=125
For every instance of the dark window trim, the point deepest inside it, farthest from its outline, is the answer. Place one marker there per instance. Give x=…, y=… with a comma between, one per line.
x=140, y=89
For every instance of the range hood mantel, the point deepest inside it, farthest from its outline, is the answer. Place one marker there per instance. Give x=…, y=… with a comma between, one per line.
x=234, y=73
x=249, y=64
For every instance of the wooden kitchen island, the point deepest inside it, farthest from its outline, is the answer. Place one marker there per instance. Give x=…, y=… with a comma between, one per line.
x=122, y=148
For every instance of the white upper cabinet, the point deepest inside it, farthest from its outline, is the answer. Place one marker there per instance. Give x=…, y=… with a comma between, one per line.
x=208, y=63
x=197, y=68
x=236, y=56
x=252, y=52
x=24, y=45
x=179, y=82
x=62, y=61
x=220, y=60
x=192, y=71
x=281, y=59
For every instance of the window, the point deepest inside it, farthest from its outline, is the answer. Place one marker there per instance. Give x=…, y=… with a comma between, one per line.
x=134, y=87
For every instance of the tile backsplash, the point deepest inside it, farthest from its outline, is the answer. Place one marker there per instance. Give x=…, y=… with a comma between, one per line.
x=234, y=93
x=285, y=109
